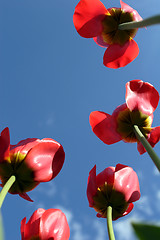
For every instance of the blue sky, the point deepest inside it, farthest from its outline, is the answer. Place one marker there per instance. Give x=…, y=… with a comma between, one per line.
x=51, y=79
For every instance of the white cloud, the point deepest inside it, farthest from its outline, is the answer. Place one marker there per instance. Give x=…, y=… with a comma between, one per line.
x=100, y=230
x=144, y=205
x=123, y=228
x=155, y=171
x=77, y=232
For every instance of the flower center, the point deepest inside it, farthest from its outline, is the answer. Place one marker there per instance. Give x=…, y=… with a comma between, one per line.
x=24, y=175
x=107, y=196
x=111, y=34
x=127, y=119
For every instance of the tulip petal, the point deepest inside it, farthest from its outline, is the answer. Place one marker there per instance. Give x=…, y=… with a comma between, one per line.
x=46, y=158
x=106, y=176
x=24, y=146
x=129, y=209
x=53, y=225
x=104, y=126
x=153, y=139
x=25, y=196
x=126, y=182
x=91, y=186
x=141, y=96
x=100, y=42
x=5, y=144
x=127, y=8
x=31, y=229
x=88, y=16
x=117, y=56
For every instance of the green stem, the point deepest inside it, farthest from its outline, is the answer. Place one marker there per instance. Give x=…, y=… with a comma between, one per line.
x=6, y=188
x=147, y=146
x=109, y=223
x=140, y=24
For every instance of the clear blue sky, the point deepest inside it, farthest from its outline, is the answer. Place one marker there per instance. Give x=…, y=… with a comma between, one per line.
x=50, y=81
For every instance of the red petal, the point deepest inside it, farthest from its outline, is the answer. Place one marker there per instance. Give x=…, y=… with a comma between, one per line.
x=153, y=139
x=117, y=56
x=107, y=175
x=25, y=196
x=142, y=96
x=91, y=186
x=100, y=42
x=45, y=159
x=31, y=229
x=126, y=182
x=54, y=225
x=88, y=16
x=4, y=144
x=127, y=8
x=129, y=209
x=24, y=146
x=104, y=126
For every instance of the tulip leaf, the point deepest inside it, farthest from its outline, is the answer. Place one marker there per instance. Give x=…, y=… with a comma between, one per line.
x=146, y=231
x=1, y=227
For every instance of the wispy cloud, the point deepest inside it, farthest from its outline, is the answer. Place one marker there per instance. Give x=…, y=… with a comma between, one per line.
x=144, y=205
x=123, y=228
x=100, y=230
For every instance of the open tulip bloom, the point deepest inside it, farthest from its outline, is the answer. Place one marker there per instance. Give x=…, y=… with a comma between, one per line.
x=115, y=188
x=134, y=115
x=92, y=20
x=31, y=161
x=46, y=225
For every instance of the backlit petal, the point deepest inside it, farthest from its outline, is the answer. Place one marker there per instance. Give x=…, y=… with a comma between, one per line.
x=117, y=56
x=104, y=126
x=141, y=96
x=88, y=16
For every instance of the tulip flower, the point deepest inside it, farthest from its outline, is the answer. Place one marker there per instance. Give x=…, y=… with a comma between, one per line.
x=141, y=101
x=92, y=20
x=31, y=161
x=117, y=187
x=45, y=225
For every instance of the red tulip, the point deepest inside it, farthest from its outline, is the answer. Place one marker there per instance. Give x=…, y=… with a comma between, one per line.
x=117, y=187
x=31, y=161
x=141, y=101
x=92, y=20
x=45, y=225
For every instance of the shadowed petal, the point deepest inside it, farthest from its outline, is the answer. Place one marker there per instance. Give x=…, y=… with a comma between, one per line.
x=25, y=196
x=91, y=186
x=100, y=42
x=127, y=8
x=117, y=56
x=104, y=126
x=88, y=16
x=141, y=96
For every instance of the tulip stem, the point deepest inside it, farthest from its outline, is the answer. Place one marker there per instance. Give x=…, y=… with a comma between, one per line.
x=6, y=188
x=140, y=24
x=109, y=223
x=147, y=146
